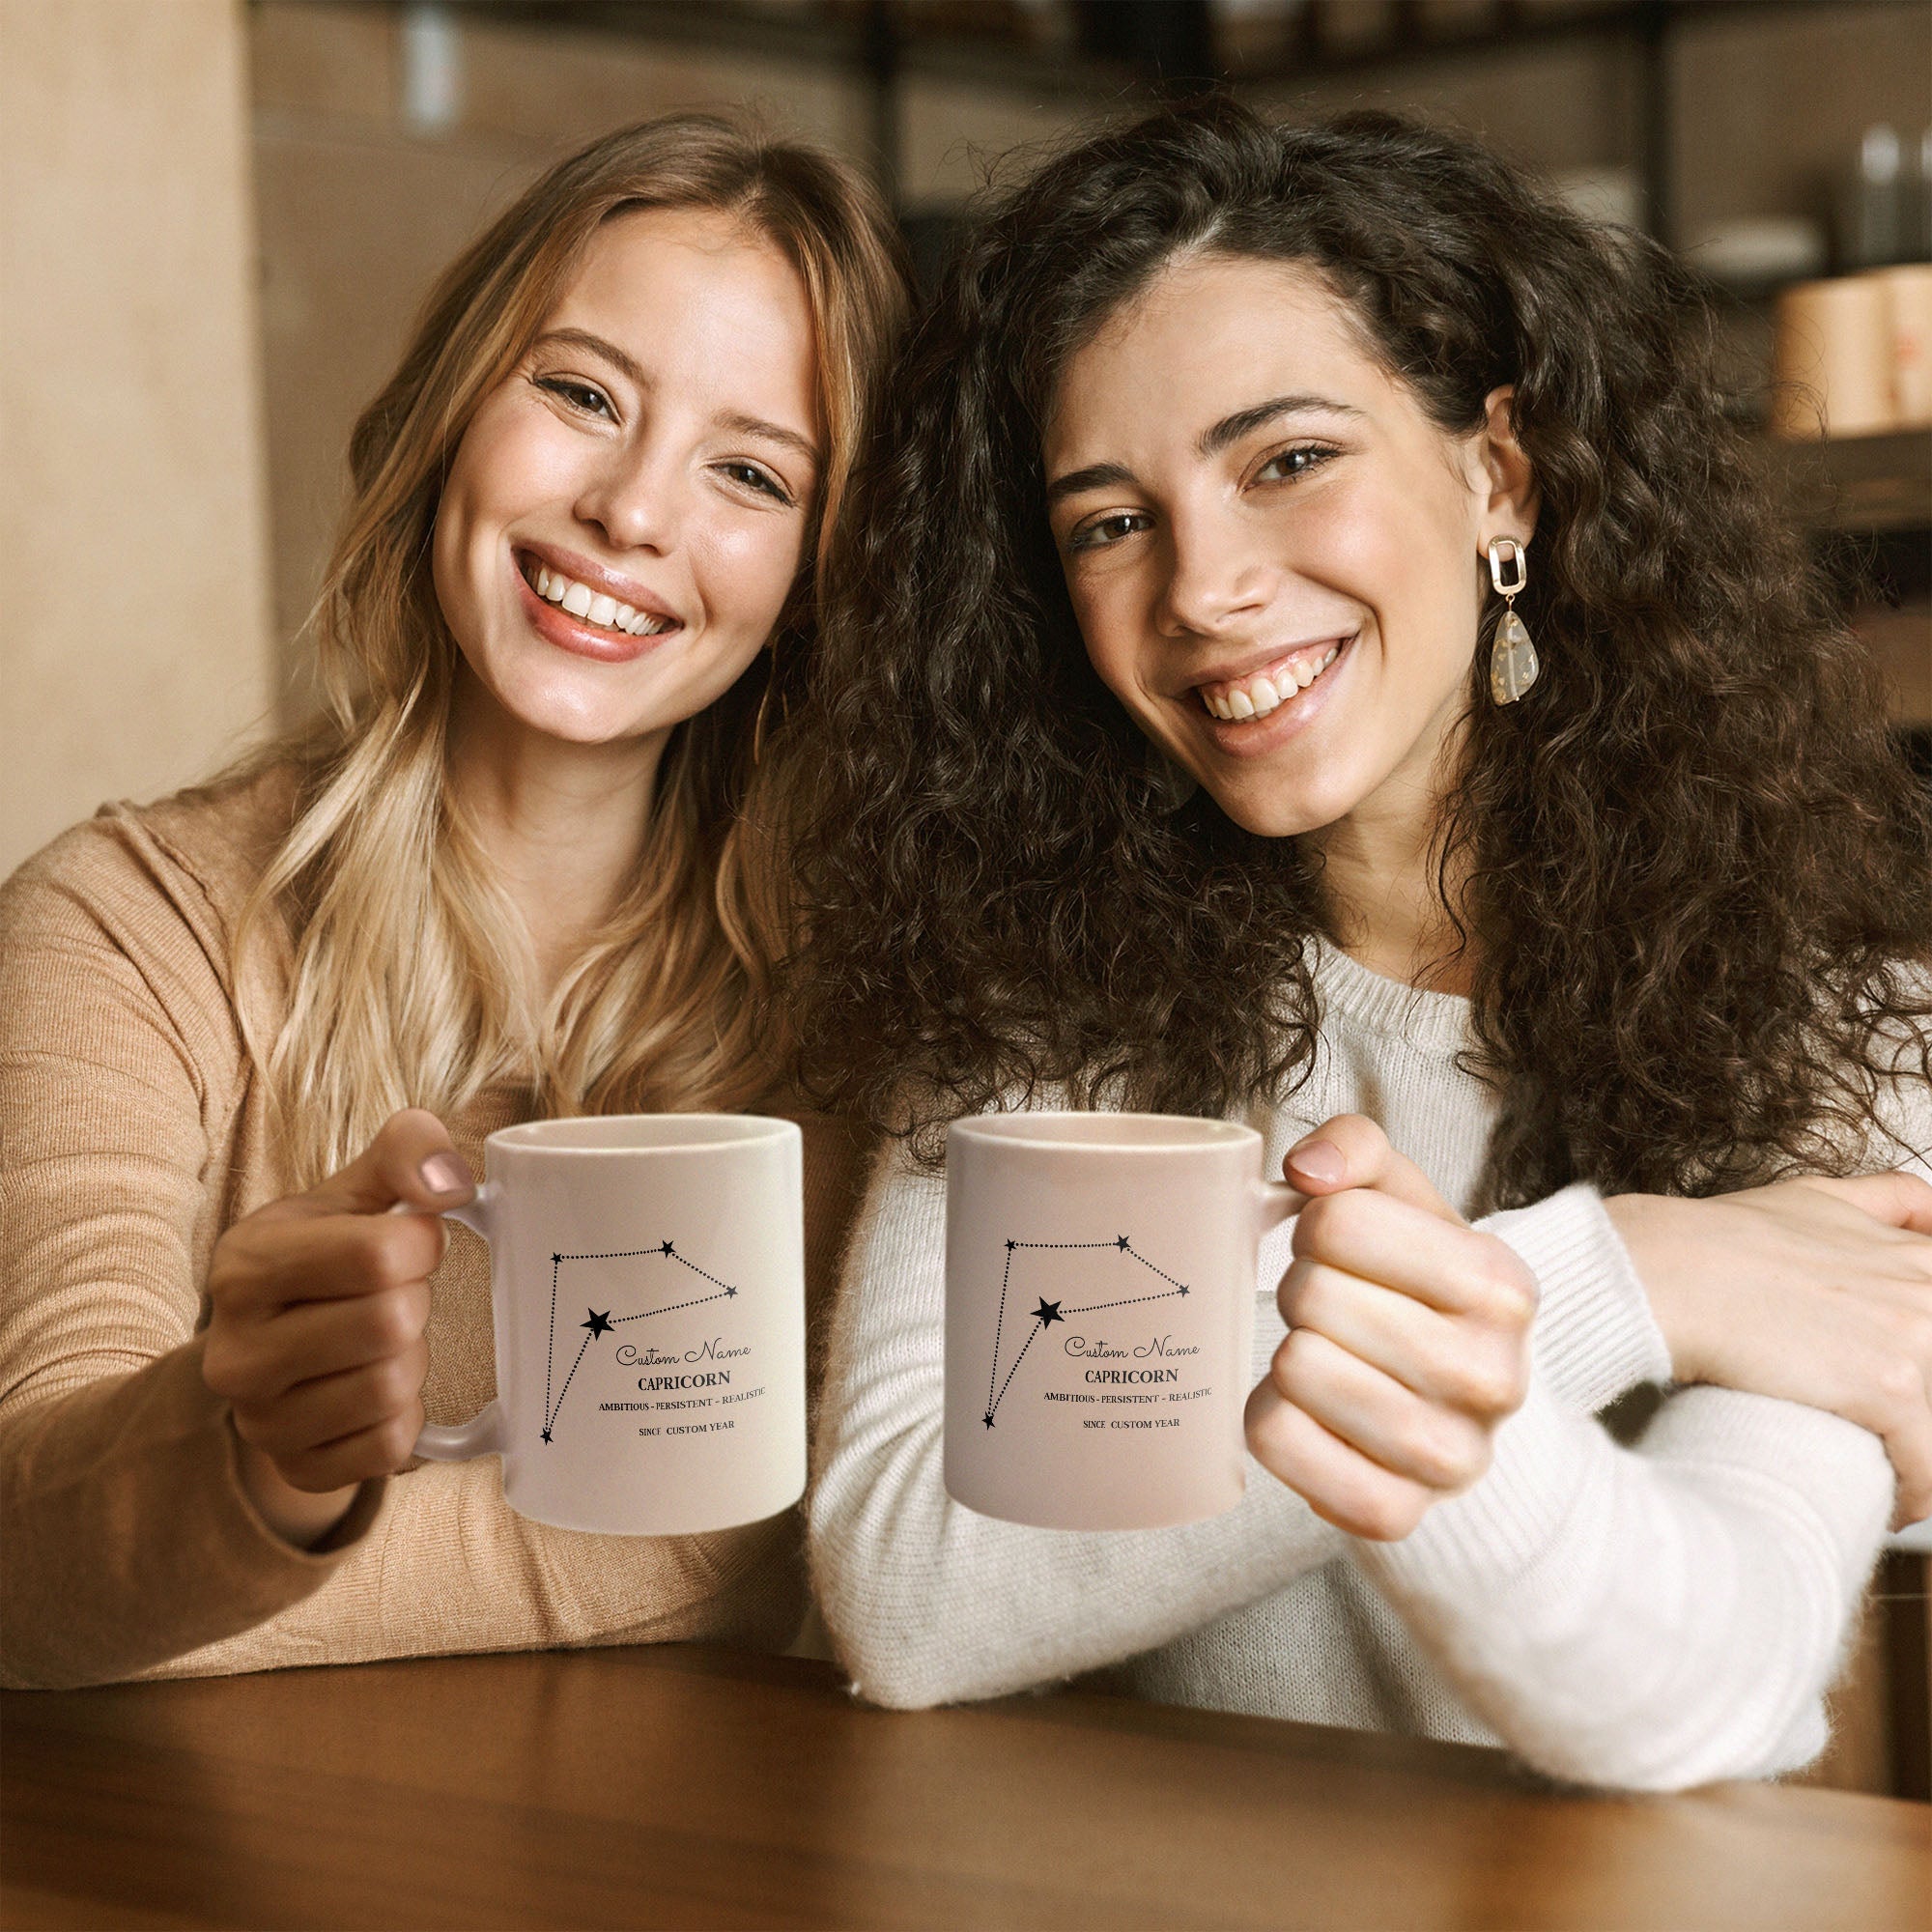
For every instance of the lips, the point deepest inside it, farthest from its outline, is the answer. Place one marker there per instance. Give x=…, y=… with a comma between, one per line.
x=565, y=613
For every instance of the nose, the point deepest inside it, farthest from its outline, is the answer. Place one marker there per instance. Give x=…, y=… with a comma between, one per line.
x=636, y=498
x=1217, y=577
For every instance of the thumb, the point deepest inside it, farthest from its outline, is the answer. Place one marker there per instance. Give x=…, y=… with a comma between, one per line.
x=412, y=1161
x=1350, y=1151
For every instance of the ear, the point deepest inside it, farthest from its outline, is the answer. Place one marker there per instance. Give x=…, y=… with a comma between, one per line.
x=1510, y=510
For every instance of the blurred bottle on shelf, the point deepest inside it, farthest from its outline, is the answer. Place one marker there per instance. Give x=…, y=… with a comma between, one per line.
x=1885, y=202
x=1874, y=226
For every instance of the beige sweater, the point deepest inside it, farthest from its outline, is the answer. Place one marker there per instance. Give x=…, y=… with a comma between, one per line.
x=132, y=1132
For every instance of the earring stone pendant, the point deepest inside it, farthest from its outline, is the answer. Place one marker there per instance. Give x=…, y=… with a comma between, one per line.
x=1513, y=662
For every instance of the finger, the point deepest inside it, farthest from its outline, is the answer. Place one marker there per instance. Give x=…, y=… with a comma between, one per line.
x=315, y=1339
x=1898, y=1200
x=1338, y=1483
x=263, y=1267
x=1425, y=1442
x=329, y=1408
x=411, y=1159
x=1483, y=1373
x=377, y=1451
x=1349, y=1151
x=1448, y=1265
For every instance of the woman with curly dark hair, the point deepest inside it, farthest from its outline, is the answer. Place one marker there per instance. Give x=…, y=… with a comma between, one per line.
x=1326, y=656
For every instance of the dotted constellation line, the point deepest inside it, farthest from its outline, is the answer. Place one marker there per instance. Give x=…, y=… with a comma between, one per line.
x=599, y=1324
x=1050, y=1312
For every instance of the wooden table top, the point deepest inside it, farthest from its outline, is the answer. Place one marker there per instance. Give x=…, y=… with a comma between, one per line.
x=688, y=1787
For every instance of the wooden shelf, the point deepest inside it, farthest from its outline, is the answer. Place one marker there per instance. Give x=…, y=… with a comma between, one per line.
x=1862, y=483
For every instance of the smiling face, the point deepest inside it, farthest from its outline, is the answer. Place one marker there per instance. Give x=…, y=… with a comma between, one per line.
x=626, y=512
x=1273, y=551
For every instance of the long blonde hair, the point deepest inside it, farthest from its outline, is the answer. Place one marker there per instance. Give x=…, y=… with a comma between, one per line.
x=413, y=980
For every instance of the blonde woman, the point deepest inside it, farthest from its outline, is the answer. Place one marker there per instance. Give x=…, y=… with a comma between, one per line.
x=516, y=871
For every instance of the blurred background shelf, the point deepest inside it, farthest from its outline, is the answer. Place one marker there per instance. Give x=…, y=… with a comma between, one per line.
x=1868, y=501
x=1863, y=483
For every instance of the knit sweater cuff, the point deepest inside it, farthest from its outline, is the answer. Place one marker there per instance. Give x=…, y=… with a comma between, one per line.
x=1595, y=1337
x=1504, y=1528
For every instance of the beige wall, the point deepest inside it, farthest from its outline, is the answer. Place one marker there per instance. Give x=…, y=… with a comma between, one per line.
x=135, y=651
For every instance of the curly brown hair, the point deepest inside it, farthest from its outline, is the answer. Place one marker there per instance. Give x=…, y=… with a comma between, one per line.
x=1696, y=865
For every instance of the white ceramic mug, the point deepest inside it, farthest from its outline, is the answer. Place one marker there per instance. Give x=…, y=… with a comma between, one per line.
x=647, y=1284
x=1100, y=1314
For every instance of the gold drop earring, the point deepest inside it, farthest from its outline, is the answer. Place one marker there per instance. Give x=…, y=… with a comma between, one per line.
x=1513, y=660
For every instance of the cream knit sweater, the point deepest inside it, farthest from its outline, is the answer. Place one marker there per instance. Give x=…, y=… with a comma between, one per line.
x=1651, y=1618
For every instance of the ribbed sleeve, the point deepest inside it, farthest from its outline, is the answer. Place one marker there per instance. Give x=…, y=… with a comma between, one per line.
x=1655, y=1618
x=1595, y=1336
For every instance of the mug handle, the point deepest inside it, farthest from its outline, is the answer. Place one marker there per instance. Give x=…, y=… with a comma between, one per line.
x=1274, y=1201
x=483, y=1433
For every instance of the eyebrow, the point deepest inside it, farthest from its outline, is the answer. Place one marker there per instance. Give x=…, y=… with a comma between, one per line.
x=1211, y=441
x=632, y=372
x=1095, y=476
x=1244, y=422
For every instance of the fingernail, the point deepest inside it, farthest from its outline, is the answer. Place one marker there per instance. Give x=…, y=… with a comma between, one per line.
x=445, y=1174
x=1319, y=1160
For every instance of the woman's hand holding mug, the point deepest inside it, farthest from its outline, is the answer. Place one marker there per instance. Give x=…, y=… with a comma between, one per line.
x=1407, y=1344
x=319, y=1304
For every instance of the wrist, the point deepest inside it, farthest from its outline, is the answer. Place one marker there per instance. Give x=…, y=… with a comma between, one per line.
x=301, y=1518
x=1649, y=1226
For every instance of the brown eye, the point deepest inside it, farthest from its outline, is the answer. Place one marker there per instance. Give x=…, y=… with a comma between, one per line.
x=1105, y=531
x=754, y=478
x=579, y=395
x=1289, y=464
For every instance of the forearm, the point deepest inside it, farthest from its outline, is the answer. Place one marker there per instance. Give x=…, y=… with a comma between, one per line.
x=129, y=1539
x=1657, y=1619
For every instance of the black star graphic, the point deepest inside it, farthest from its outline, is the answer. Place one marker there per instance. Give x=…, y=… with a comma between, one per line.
x=730, y=1290
x=598, y=1324
x=988, y=1421
x=1010, y=1247
x=546, y=1435
x=1183, y=1291
x=1120, y=1242
x=1047, y=1311
x=665, y=1249
x=557, y=1258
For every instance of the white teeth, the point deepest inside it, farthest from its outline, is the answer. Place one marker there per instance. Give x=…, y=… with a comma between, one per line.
x=1258, y=695
x=594, y=607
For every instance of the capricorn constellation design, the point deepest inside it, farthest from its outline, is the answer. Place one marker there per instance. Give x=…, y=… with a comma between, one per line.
x=1047, y=1313
x=602, y=1324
